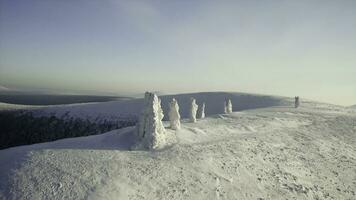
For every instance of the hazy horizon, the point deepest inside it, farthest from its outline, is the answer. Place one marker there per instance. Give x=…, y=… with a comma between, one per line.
x=287, y=48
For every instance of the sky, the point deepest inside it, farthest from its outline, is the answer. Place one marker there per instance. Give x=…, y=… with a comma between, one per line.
x=281, y=47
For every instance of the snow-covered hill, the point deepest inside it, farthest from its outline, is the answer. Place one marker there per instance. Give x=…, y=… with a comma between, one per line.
x=273, y=152
x=132, y=108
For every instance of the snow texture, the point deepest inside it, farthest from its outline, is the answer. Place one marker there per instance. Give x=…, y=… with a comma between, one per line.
x=151, y=132
x=174, y=116
x=193, y=110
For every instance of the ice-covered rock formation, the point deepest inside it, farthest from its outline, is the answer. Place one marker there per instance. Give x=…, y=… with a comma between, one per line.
x=174, y=116
x=193, y=110
x=150, y=129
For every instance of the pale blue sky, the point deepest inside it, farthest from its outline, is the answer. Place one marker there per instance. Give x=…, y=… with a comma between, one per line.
x=305, y=48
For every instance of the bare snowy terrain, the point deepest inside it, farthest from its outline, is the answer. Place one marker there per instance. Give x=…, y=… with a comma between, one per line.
x=270, y=152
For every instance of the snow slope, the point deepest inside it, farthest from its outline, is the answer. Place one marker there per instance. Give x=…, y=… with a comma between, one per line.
x=267, y=153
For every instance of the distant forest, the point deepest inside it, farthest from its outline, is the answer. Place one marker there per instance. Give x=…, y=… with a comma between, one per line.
x=22, y=128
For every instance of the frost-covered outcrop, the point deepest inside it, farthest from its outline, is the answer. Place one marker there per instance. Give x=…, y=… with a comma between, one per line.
x=174, y=116
x=228, y=106
x=193, y=110
x=202, y=111
x=151, y=132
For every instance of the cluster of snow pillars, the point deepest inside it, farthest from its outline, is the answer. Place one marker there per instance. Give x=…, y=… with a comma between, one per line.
x=193, y=110
x=174, y=116
x=151, y=131
x=228, y=106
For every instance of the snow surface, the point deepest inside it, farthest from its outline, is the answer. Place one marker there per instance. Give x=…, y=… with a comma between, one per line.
x=269, y=153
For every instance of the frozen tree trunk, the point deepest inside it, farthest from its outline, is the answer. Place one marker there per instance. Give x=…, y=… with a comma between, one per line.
x=151, y=132
x=193, y=110
x=174, y=116
x=296, y=102
x=228, y=106
x=202, y=111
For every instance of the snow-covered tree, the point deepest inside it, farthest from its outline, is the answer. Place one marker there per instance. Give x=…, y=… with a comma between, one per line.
x=160, y=110
x=228, y=106
x=193, y=110
x=296, y=102
x=151, y=132
x=225, y=107
x=202, y=111
x=174, y=116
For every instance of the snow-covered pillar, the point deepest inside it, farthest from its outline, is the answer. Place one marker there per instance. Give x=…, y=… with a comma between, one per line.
x=228, y=106
x=151, y=132
x=193, y=110
x=202, y=111
x=174, y=116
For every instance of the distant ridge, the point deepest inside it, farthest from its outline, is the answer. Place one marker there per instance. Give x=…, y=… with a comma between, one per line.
x=49, y=99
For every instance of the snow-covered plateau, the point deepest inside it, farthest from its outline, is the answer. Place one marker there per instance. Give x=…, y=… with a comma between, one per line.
x=265, y=149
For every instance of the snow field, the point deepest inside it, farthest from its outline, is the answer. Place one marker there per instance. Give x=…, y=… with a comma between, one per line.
x=270, y=153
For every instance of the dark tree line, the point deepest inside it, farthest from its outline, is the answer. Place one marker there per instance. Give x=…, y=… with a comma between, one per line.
x=21, y=128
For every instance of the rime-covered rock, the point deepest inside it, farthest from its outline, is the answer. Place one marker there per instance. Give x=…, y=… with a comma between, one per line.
x=151, y=132
x=193, y=110
x=174, y=116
